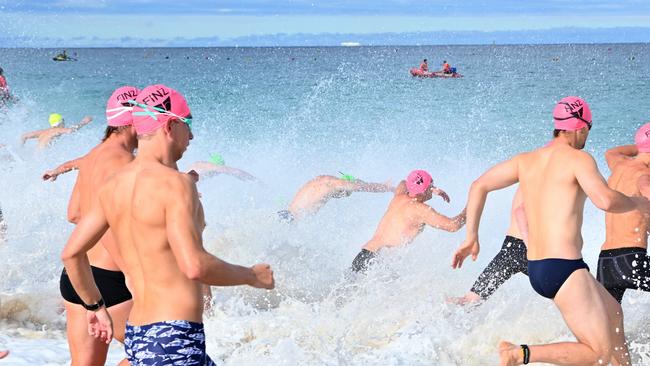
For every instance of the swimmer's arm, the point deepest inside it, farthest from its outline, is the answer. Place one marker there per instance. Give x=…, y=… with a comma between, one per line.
x=596, y=188
x=62, y=169
x=87, y=233
x=439, y=221
x=361, y=186
x=31, y=135
x=86, y=120
x=617, y=154
x=74, y=206
x=499, y=176
x=181, y=211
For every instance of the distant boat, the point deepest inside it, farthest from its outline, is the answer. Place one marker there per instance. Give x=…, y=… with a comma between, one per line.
x=350, y=44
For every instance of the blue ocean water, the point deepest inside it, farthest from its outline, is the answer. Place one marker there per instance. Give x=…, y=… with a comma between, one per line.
x=287, y=115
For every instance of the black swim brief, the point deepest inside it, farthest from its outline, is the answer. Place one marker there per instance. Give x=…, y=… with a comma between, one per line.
x=624, y=268
x=362, y=260
x=111, y=284
x=510, y=260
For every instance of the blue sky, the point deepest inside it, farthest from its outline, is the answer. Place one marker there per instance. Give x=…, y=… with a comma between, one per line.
x=85, y=21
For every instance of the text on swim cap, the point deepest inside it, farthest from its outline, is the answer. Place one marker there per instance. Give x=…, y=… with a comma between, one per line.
x=570, y=107
x=127, y=95
x=154, y=96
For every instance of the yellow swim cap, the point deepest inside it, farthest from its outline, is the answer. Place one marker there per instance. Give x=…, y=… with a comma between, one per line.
x=55, y=119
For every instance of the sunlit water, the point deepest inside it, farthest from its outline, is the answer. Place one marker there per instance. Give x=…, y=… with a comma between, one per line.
x=287, y=115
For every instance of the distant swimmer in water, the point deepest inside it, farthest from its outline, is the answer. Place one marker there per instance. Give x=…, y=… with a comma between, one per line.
x=217, y=165
x=157, y=220
x=555, y=181
x=406, y=217
x=624, y=262
x=424, y=66
x=104, y=160
x=4, y=88
x=57, y=128
x=509, y=261
x=314, y=194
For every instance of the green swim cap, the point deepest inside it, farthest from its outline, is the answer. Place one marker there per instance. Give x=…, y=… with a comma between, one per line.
x=55, y=119
x=348, y=177
x=217, y=159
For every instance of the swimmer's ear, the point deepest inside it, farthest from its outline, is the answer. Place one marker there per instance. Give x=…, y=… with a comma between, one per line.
x=194, y=175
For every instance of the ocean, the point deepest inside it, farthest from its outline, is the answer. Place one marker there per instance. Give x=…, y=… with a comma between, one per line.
x=289, y=114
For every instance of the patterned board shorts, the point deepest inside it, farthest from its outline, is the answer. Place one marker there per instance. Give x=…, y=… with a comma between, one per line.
x=173, y=342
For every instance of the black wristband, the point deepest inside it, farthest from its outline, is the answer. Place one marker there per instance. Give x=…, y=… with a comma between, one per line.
x=526, y=352
x=94, y=307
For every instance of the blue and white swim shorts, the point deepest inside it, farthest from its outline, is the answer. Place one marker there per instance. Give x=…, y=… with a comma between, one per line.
x=172, y=342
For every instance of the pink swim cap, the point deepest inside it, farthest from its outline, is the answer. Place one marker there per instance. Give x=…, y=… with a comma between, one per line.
x=642, y=138
x=157, y=104
x=118, y=108
x=571, y=114
x=418, y=182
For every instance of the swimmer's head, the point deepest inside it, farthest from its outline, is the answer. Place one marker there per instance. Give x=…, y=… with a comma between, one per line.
x=347, y=177
x=425, y=60
x=642, y=138
x=157, y=104
x=217, y=159
x=118, y=107
x=572, y=114
x=56, y=120
x=418, y=182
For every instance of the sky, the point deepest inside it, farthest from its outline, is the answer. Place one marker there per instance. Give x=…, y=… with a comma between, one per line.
x=163, y=22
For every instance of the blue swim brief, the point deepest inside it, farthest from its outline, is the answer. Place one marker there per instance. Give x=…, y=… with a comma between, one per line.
x=172, y=342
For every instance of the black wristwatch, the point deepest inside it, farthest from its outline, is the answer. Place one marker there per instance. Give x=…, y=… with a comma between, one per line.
x=94, y=307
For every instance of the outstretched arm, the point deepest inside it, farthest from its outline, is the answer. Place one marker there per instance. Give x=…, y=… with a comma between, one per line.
x=360, y=186
x=61, y=169
x=439, y=221
x=31, y=135
x=596, y=188
x=617, y=154
x=500, y=176
x=183, y=211
x=222, y=169
x=86, y=120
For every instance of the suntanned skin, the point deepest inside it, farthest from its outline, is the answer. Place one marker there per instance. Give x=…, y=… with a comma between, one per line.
x=314, y=194
x=555, y=182
x=513, y=230
x=4, y=354
x=407, y=216
x=46, y=136
x=206, y=169
x=157, y=219
x=70, y=165
x=101, y=162
x=631, y=176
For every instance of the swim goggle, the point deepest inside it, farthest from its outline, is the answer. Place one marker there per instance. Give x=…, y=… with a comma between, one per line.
x=147, y=111
x=126, y=107
x=573, y=115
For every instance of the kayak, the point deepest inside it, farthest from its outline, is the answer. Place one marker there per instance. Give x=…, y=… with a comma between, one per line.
x=436, y=74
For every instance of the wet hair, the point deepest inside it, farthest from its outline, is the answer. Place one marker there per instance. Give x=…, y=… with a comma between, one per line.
x=425, y=60
x=111, y=130
x=556, y=132
x=1, y=71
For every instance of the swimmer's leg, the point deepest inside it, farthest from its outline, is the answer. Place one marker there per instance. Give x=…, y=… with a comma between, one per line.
x=586, y=312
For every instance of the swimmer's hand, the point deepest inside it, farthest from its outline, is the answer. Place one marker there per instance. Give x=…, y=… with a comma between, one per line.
x=50, y=175
x=100, y=324
x=442, y=194
x=469, y=246
x=262, y=276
